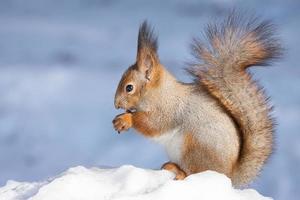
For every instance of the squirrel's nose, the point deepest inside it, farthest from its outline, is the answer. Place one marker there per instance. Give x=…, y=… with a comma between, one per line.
x=117, y=104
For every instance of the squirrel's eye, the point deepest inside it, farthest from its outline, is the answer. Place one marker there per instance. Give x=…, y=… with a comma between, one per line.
x=129, y=88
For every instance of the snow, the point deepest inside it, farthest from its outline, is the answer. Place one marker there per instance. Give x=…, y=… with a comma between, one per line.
x=127, y=182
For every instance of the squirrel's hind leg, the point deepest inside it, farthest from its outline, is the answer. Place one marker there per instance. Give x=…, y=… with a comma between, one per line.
x=173, y=167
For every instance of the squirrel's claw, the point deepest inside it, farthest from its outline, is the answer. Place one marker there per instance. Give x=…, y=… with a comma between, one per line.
x=122, y=122
x=173, y=167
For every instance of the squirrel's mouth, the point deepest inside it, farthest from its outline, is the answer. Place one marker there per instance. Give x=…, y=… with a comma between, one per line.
x=131, y=110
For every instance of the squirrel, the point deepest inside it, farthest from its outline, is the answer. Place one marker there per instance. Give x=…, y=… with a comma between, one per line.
x=222, y=120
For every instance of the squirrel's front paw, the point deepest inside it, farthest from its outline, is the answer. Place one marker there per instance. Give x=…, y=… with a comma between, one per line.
x=122, y=122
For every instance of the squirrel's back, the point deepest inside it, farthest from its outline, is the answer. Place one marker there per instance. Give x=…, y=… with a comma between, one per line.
x=232, y=47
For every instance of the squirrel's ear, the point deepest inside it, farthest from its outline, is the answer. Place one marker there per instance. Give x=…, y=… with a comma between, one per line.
x=147, y=57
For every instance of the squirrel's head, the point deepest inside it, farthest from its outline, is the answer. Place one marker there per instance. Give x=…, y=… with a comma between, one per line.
x=141, y=76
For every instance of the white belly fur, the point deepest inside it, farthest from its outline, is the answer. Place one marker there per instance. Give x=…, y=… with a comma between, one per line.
x=172, y=142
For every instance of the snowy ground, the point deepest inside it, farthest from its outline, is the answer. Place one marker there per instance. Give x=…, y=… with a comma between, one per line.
x=127, y=182
x=61, y=60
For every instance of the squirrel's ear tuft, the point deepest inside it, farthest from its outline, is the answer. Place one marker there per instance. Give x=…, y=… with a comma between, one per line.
x=147, y=38
x=147, y=56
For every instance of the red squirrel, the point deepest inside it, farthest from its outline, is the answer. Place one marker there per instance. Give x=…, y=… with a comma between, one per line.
x=221, y=121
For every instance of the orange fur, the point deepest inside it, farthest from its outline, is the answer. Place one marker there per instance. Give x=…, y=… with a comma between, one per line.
x=198, y=157
x=123, y=122
x=157, y=73
x=180, y=174
x=141, y=124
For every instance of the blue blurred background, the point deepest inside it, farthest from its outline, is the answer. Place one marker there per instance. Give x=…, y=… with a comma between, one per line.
x=61, y=60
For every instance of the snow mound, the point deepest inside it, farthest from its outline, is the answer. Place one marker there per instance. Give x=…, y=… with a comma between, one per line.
x=127, y=182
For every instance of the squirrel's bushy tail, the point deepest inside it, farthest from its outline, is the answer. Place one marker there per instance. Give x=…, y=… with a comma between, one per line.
x=222, y=64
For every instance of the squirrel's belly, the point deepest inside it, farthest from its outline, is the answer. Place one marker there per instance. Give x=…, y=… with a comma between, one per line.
x=173, y=143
